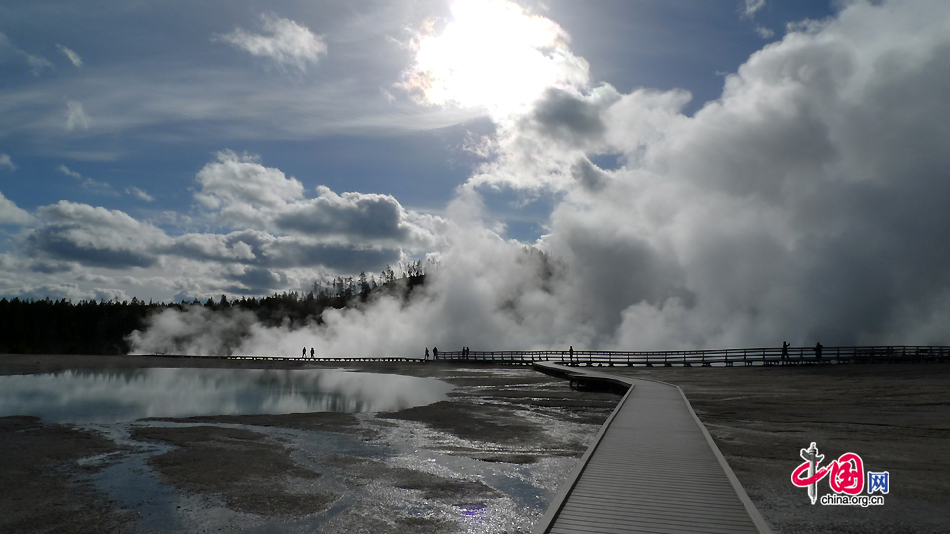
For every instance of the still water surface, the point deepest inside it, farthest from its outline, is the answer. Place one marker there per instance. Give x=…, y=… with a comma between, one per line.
x=117, y=396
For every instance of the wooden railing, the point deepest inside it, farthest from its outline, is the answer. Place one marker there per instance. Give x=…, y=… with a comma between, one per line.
x=711, y=357
x=669, y=358
x=396, y=359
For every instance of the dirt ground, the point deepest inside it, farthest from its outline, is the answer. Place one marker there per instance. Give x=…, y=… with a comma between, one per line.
x=38, y=479
x=896, y=417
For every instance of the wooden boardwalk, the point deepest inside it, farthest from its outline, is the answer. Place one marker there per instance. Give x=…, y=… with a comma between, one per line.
x=652, y=468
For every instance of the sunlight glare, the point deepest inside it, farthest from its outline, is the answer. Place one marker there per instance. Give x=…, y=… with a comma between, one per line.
x=492, y=54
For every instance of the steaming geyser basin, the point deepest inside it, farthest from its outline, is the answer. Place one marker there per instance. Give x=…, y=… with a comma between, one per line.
x=117, y=396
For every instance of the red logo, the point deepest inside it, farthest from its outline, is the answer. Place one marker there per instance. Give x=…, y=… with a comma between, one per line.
x=845, y=476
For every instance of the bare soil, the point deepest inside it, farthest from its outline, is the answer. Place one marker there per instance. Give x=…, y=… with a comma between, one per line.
x=251, y=472
x=40, y=489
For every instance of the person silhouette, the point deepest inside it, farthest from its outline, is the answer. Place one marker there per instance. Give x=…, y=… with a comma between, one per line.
x=427, y=353
x=311, y=352
x=818, y=348
x=304, y=353
x=572, y=354
x=435, y=353
x=785, y=346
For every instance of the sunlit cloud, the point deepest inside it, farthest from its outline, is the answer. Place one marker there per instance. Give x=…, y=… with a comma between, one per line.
x=76, y=117
x=288, y=43
x=73, y=56
x=751, y=7
x=87, y=183
x=11, y=214
x=139, y=194
x=36, y=63
x=6, y=162
x=68, y=172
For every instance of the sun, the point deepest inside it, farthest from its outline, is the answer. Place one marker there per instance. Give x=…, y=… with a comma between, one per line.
x=491, y=54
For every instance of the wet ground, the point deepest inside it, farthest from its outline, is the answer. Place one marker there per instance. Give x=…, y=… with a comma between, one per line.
x=487, y=459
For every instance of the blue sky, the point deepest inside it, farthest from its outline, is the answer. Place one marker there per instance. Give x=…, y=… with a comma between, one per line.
x=173, y=151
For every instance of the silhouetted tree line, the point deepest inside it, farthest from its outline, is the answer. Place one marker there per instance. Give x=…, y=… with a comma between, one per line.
x=100, y=327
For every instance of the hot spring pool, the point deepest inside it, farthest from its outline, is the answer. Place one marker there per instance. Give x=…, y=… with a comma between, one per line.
x=119, y=396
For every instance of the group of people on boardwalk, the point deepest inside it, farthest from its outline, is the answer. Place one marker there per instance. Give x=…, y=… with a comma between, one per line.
x=435, y=353
x=304, y=353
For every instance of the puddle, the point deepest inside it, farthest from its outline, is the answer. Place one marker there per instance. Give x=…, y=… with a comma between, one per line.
x=121, y=396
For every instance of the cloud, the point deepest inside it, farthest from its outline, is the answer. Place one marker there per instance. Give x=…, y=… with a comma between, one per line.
x=254, y=248
x=247, y=261
x=751, y=7
x=65, y=170
x=214, y=104
x=68, y=291
x=11, y=214
x=352, y=214
x=763, y=32
x=243, y=193
x=289, y=44
x=88, y=183
x=73, y=57
x=538, y=150
x=35, y=63
x=92, y=155
x=76, y=117
x=572, y=118
x=139, y=194
x=53, y=267
x=238, y=185
x=6, y=162
x=232, y=247
x=289, y=252
x=94, y=236
x=589, y=175
x=284, y=240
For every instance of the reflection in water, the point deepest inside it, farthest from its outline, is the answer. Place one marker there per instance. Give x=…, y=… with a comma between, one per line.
x=106, y=397
x=474, y=514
